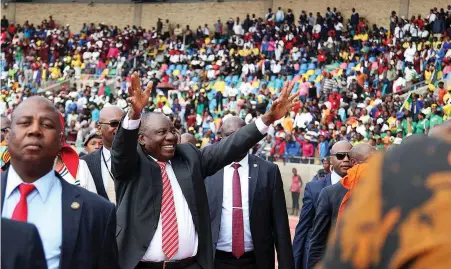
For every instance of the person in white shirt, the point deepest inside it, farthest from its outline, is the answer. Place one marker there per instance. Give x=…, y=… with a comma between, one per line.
x=246, y=223
x=280, y=15
x=99, y=161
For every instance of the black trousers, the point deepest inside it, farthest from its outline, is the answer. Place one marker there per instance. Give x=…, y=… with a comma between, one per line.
x=192, y=266
x=226, y=260
x=295, y=198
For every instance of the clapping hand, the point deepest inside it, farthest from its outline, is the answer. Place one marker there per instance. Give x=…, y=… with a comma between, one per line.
x=282, y=105
x=137, y=98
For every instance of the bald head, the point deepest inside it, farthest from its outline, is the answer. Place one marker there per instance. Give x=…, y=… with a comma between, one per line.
x=110, y=113
x=188, y=138
x=361, y=152
x=231, y=125
x=341, y=146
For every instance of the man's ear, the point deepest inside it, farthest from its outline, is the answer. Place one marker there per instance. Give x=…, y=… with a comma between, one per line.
x=141, y=139
x=7, y=138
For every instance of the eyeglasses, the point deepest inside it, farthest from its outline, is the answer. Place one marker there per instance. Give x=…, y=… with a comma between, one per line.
x=341, y=155
x=113, y=124
x=4, y=129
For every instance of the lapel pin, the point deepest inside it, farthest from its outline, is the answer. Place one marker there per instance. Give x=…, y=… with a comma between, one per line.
x=75, y=205
x=255, y=165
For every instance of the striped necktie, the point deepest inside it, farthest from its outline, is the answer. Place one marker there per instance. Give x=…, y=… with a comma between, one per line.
x=170, y=242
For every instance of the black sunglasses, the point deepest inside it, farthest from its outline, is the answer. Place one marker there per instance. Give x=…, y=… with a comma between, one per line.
x=341, y=155
x=113, y=124
x=4, y=129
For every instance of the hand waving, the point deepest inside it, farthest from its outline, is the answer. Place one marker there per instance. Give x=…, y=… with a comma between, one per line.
x=282, y=105
x=137, y=98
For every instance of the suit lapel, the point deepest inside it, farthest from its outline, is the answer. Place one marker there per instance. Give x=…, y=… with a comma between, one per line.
x=4, y=177
x=186, y=184
x=94, y=162
x=72, y=206
x=329, y=180
x=253, y=178
x=219, y=185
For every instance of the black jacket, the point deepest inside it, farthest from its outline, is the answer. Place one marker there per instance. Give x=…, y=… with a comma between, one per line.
x=138, y=186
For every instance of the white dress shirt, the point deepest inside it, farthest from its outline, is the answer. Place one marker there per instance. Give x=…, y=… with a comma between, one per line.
x=188, y=238
x=225, y=232
x=106, y=169
x=334, y=177
x=44, y=211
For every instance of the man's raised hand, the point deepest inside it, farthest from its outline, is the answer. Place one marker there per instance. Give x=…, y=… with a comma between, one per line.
x=282, y=105
x=137, y=98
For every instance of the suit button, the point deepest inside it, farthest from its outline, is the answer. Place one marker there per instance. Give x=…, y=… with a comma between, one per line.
x=155, y=226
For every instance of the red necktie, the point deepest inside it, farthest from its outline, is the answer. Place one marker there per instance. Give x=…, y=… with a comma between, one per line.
x=237, y=218
x=170, y=235
x=21, y=210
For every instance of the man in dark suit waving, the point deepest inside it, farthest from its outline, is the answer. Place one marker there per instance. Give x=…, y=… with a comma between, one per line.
x=77, y=227
x=301, y=243
x=21, y=246
x=163, y=215
x=248, y=212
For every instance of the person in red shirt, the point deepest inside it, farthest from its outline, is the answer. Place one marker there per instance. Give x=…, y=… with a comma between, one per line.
x=308, y=151
x=334, y=100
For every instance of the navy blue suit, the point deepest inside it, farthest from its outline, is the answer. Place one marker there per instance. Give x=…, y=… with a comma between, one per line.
x=301, y=241
x=89, y=232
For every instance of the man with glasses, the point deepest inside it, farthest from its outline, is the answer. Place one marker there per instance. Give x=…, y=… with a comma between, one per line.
x=331, y=197
x=99, y=161
x=340, y=164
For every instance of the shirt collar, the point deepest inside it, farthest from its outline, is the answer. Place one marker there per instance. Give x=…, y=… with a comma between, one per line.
x=43, y=184
x=244, y=162
x=334, y=177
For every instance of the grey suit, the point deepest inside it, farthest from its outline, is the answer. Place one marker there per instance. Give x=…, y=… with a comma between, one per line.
x=138, y=186
x=267, y=213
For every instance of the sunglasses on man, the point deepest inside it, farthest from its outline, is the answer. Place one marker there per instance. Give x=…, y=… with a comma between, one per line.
x=341, y=155
x=113, y=124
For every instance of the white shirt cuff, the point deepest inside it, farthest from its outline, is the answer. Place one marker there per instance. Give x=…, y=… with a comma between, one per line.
x=261, y=126
x=129, y=124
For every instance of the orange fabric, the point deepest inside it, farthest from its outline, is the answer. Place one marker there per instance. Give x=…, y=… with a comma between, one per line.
x=349, y=182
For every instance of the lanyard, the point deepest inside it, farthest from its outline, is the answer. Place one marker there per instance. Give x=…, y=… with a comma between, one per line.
x=106, y=165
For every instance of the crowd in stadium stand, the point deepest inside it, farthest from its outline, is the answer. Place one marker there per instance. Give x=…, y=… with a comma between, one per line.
x=350, y=75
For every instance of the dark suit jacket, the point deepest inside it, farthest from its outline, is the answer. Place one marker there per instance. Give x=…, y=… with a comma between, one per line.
x=267, y=212
x=138, y=186
x=94, y=161
x=301, y=241
x=21, y=246
x=88, y=232
x=329, y=202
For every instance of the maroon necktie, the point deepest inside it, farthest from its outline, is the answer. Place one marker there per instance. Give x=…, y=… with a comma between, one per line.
x=237, y=218
x=20, y=212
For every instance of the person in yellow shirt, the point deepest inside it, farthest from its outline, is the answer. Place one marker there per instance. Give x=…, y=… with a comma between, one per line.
x=392, y=122
x=447, y=97
x=287, y=123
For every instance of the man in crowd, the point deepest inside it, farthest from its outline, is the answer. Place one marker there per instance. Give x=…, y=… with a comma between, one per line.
x=77, y=227
x=163, y=215
x=330, y=200
x=340, y=163
x=248, y=211
x=99, y=162
x=188, y=138
x=5, y=125
x=21, y=246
